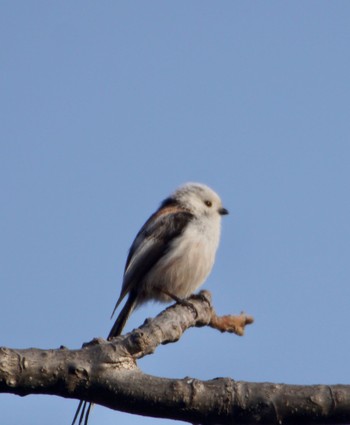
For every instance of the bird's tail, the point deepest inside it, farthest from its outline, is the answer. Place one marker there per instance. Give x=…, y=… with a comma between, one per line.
x=123, y=316
x=84, y=407
x=84, y=412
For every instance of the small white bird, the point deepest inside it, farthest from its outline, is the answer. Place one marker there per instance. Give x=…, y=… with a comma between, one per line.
x=174, y=251
x=171, y=256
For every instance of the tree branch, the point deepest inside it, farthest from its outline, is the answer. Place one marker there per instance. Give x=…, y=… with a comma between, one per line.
x=106, y=373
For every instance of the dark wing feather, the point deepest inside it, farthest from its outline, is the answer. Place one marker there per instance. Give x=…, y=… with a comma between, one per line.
x=166, y=223
x=152, y=243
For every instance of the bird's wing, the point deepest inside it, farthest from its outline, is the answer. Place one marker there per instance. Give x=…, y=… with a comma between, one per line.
x=152, y=243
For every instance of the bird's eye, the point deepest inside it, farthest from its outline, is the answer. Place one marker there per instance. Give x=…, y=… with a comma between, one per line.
x=208, y=203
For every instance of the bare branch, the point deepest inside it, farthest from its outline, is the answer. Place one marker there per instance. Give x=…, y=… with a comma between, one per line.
x=106, y=373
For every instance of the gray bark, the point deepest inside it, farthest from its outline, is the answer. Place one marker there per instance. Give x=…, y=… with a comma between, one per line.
x=106, y=373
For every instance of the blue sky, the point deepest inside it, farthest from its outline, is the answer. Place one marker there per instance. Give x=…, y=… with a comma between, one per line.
x=106, y=108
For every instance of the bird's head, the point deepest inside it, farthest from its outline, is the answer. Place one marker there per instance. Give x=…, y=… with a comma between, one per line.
x=200, y=200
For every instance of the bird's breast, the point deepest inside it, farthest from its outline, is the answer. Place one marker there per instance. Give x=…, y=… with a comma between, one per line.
x=186, y=265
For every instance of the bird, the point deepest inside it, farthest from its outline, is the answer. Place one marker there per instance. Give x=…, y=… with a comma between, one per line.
x=170, y=257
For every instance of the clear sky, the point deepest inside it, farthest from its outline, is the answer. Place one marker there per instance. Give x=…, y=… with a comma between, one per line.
x=106, y=107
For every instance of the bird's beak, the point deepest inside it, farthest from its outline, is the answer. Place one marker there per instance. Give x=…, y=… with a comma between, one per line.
x=223, y=211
